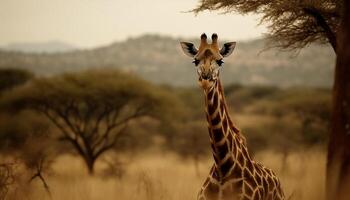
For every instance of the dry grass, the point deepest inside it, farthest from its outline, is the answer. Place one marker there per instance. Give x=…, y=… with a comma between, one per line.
x=304, y=175
x=167, y=177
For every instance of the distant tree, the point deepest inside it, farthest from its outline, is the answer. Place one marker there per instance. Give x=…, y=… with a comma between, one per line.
x=293, y=25
x=312, y=109
x=191, y=142
x=10, y=78
x=25, y=137
x=90, y=109
x=38, y=154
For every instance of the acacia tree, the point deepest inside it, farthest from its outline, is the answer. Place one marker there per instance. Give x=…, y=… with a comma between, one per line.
x=91, y=110
x=293, y=25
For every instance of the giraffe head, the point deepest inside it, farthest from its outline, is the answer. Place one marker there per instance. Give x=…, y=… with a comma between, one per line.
x=208, y=58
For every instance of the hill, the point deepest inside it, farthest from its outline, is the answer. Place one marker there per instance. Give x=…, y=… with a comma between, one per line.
x=160, y=60
x=45, y=47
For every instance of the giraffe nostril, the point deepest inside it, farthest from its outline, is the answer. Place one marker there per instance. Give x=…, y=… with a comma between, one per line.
x=206, y=76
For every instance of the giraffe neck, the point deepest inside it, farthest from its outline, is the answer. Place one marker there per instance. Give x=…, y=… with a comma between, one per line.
x=228, y=145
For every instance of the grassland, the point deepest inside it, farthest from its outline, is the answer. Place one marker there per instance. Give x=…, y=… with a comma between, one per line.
x=166, y=176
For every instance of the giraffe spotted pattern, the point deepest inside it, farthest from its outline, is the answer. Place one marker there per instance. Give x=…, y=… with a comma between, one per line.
x=234, y=175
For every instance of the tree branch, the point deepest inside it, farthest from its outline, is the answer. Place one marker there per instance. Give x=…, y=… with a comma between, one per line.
x=110, y=145
x=38, y=174
x=55, y=122
x=65, y=116
x=110, y=126
x=323, y=24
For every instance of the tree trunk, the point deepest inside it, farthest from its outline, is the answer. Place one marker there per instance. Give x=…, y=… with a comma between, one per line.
x=338, y=163
x=90, y=164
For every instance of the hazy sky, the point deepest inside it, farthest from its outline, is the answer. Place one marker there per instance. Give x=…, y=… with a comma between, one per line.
x=88, y=23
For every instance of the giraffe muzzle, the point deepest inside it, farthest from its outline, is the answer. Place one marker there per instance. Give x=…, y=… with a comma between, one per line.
x=206, y=76
x=206, y=80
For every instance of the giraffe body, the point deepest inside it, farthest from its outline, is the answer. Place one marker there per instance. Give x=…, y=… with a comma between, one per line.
x=234, y=175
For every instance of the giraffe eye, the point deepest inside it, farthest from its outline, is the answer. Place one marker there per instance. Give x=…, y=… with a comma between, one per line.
x=196, y=62
x=219, y=62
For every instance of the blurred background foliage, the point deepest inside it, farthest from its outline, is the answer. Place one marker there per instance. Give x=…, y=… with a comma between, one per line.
x=43, y=117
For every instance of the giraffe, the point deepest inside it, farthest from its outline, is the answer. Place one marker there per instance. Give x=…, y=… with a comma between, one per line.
x=234, y=174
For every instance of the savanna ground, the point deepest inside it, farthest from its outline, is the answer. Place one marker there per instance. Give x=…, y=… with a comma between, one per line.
x=166, y=176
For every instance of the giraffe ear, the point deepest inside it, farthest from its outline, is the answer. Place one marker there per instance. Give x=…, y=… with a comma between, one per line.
x=189, y=49
x=227, y=49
